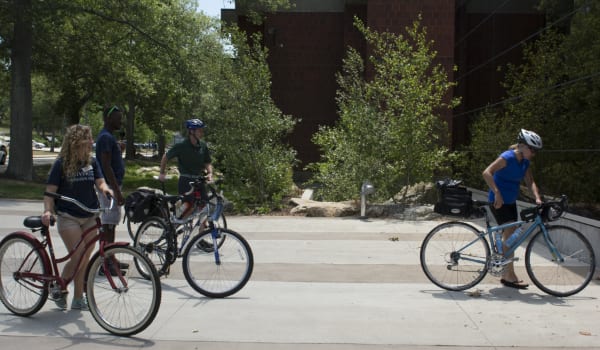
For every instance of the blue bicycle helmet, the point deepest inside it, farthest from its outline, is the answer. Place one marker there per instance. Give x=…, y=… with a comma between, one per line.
x=194, y=124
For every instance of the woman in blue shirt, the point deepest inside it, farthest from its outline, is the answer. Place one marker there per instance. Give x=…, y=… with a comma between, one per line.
x=75, y=174
x=504, y=176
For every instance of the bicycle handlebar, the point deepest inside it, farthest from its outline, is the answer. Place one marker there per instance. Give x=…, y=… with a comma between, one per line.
x=79, y=204
x=550, y=210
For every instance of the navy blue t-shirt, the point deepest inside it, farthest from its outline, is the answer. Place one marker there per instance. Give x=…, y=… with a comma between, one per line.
x=508, y=179
x=81, y=187
x=106, y=143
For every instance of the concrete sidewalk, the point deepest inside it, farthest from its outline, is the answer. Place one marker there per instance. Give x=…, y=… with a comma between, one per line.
x=326, y=283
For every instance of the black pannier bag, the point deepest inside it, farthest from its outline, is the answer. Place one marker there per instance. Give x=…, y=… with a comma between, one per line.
x=454, y=199
x=141, y=204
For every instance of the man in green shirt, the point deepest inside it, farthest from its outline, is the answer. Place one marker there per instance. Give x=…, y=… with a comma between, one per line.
x=193, y=157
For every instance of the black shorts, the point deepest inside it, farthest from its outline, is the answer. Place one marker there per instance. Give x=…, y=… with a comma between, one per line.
x=506, y=213
x=184, y=187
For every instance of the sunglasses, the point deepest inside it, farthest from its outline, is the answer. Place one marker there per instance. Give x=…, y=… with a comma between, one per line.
x=533, y=150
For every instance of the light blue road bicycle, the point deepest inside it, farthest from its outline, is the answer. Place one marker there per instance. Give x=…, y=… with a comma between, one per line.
x=559, y=259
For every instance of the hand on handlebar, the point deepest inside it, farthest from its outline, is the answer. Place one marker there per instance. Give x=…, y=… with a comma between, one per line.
x=47, y=218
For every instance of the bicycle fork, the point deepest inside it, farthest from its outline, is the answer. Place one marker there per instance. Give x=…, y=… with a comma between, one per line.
x=215, y=236
x=555, y=254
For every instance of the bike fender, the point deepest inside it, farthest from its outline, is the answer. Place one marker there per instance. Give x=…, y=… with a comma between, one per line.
x=34, y=242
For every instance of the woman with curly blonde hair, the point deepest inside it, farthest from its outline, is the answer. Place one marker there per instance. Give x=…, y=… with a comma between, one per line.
x=75, y=174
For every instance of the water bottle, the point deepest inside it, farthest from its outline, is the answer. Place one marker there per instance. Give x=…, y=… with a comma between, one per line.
x=498, y=240
x=514, y=237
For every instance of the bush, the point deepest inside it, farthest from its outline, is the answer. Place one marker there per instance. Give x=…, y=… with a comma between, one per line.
x=390, y=131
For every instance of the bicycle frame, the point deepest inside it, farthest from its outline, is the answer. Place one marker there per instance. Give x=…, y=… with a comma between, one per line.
x=490, y=230
x=55, y=276
x=559, y=260
x=197, y=219
x=202, y=214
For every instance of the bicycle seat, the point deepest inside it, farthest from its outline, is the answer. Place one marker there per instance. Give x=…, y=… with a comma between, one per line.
x=33, y=222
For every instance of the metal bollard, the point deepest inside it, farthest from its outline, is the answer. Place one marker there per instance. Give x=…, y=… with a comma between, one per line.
x=366, y=189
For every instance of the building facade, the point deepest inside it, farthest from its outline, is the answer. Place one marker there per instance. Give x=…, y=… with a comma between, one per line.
x=307, y=44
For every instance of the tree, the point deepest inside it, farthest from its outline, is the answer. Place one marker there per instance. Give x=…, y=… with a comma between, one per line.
x=555, y=92
x=389, y=131
x=255, y=9
x=247, y=135
x=20, y=98
x=95, y=53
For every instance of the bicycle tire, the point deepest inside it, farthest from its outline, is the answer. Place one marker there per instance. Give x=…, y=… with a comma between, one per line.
x=131, y=306
x=218, y=280
x=447, y=267
x=565, y=278
x=133, y=227
x=152, y=240
x=17, y=252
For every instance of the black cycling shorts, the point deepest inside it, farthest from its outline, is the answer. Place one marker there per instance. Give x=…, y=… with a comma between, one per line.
x=506, y=213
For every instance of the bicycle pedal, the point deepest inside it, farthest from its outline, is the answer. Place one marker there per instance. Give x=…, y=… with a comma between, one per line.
x=508, y=261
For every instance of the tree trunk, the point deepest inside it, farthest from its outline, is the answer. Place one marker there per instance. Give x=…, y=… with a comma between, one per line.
x=130, y=128
x=21, y=155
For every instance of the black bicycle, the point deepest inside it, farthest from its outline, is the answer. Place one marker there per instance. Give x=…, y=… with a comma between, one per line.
x=164, y=206
x=217, y=262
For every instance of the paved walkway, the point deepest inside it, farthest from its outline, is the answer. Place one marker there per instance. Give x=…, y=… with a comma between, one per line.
x=325, y=283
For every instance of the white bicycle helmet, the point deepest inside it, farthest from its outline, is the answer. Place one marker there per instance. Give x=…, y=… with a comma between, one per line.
x=530, y=138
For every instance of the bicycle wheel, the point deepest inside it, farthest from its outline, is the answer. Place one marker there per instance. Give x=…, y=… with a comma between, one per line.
x=132, y=227
x=454, y=256
x=151, y=240
x=225, y=277
x=123, y=301
x=22, y=296
x=560, y=278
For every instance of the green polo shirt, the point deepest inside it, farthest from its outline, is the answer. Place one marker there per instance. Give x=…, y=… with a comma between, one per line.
x=191, y=160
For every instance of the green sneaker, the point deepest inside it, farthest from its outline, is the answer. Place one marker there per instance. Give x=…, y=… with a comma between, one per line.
x=80, y=304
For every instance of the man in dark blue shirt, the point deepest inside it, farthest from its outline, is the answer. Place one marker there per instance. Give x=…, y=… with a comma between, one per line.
x=109, y=155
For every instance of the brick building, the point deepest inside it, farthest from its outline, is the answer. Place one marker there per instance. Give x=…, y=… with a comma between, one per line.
x=307, y=44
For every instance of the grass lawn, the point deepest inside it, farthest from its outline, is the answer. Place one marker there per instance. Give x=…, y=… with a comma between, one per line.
x=138, y=174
